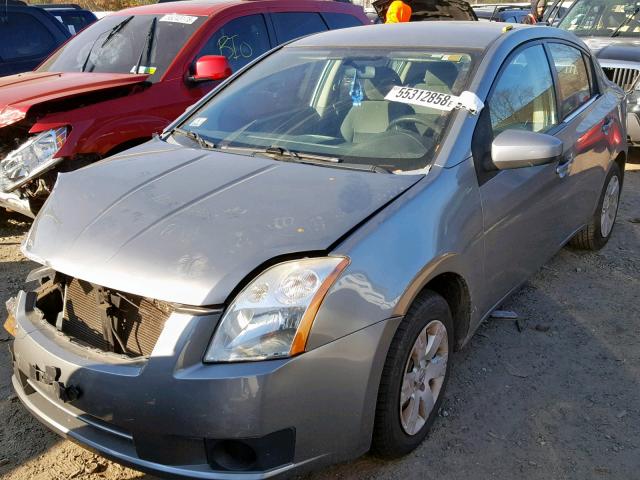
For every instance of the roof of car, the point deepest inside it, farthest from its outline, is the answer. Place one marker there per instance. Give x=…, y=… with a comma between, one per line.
x=196, y=7
x=441, y=34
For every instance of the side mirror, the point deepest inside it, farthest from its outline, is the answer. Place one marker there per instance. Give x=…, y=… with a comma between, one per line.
x=211, y=67
x=521, y=148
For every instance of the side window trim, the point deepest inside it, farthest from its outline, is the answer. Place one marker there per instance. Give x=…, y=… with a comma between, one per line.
x=556, y=84
x=271, y=29
x=326, y=23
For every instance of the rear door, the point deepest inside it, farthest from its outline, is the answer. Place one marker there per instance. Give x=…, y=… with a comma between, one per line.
x=589, y=129
x=525, y=221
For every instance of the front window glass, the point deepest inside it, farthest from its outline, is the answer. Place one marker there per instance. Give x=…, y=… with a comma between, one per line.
x=523, y=97
x=573, y=80
x=332, y=103
x=241, y=40
x=603, y=18
x=126, y=44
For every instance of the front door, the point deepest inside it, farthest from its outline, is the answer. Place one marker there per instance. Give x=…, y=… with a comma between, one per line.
x=524, y=219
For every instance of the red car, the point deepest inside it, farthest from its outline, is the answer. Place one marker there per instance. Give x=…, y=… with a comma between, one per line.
x=129, y=75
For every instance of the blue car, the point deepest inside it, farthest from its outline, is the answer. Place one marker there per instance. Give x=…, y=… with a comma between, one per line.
x=72, y=16
x=27, y=36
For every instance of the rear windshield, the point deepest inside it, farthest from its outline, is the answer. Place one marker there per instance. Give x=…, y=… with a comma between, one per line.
x=126, y=44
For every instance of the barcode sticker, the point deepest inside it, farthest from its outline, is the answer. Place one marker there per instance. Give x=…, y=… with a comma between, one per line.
x=425, y=98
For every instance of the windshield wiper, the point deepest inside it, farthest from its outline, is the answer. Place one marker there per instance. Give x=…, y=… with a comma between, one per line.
x=110, y=35
x=202, y=142
x=322, y=160
x=625, y=22
x=301, y=157
x=115, y=30
x=148, y=46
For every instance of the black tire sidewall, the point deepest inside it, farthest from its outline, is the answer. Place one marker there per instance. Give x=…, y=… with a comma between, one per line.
x=392, y=440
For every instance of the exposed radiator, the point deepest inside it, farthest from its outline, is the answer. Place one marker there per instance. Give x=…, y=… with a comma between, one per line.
x=105, y=319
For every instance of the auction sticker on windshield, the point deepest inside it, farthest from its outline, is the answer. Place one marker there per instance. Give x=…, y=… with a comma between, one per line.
x=175, y=18
x=425, y=98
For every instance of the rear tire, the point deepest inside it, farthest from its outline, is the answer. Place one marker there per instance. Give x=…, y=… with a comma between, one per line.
x=414, y=377
x=597, y=233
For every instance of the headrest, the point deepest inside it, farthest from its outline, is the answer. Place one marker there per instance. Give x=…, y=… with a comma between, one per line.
x=440, y=75
x=377, y=87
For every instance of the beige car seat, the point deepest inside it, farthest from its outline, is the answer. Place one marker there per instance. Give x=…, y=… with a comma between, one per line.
x=374, y=114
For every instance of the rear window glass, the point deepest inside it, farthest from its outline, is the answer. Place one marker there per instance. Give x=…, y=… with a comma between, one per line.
x=573, y=79
x=74, y=21
x=24, y=36
x=340, y=20
x=292, y=25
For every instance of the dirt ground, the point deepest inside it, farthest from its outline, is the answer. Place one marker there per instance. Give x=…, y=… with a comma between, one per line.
x=557, y=398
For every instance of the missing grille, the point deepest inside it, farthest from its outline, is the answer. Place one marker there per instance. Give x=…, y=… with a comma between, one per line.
x=102, y=318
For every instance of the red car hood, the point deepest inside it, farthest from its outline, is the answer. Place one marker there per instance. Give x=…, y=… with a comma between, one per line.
x=18, y=93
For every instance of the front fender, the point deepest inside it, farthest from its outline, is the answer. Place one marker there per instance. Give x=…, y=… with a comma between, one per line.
x=433, y=228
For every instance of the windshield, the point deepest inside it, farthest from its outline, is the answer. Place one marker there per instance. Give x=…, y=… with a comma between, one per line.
x=125, y=44
x=331, y=103
x=603, y=18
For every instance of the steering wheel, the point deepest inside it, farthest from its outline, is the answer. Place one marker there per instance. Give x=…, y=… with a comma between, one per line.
x=415, y=119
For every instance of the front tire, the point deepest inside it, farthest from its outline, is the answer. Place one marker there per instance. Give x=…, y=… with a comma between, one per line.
x=414, y=377
x=597, y=233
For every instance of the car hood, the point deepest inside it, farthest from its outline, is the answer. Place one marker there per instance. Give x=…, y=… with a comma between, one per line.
x=19, y=93
x=615, y=49
x=186, y=225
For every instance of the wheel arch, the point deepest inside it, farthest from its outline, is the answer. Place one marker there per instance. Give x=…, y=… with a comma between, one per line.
x=450, y=285
x=454, y=289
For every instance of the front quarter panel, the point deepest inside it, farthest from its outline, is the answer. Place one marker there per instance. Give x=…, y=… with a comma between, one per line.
x=435, y=227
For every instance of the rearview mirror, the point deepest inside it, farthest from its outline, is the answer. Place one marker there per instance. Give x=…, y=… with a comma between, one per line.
x=211, y=67
x=521, y=148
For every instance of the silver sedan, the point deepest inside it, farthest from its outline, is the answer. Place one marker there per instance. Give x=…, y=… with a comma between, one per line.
x=279, y=280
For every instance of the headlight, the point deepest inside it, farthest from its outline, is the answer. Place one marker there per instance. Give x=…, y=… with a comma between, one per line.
x=272, y=316
x=32, y=157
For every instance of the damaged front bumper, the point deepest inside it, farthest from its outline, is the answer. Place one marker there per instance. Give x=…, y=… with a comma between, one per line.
x=173, y=415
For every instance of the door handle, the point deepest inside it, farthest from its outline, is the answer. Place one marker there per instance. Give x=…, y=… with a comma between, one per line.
x=563, y=168
x=606, y=125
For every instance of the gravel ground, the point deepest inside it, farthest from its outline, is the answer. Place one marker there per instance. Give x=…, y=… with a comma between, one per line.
x=557, y=398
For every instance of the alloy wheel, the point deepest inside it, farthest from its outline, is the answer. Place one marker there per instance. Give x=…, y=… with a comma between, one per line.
x=424, y=376
x=609, y=206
